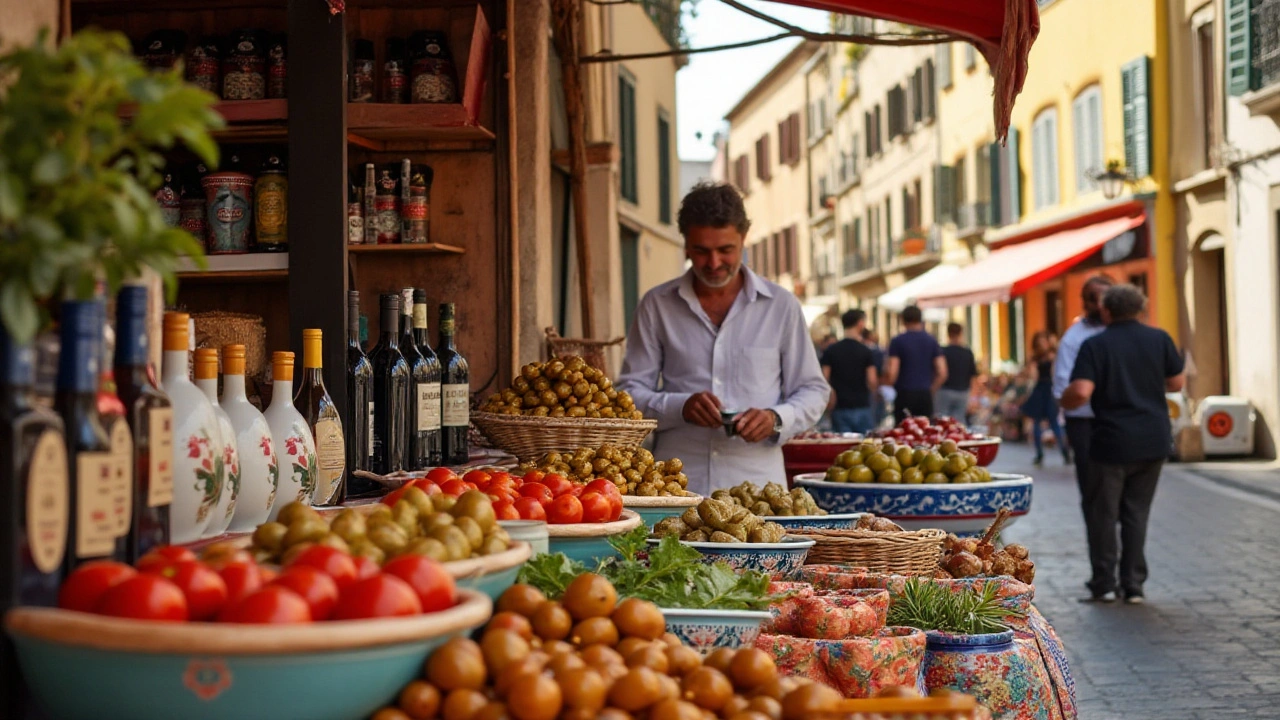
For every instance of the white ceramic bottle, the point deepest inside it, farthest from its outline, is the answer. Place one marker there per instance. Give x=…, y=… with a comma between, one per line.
x=259, y=473
x=198, y=455
x=295, y=448
x=206, y=372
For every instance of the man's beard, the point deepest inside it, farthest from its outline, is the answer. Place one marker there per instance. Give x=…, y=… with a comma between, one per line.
x=1095, y=316
x=733, y=273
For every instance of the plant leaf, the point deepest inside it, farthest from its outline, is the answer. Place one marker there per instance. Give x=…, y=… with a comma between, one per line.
x=51, y=169
x=18, y=311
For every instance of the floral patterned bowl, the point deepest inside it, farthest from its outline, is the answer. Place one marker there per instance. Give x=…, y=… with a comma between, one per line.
x=705, y=630
x=777, y=560
x=841, y=521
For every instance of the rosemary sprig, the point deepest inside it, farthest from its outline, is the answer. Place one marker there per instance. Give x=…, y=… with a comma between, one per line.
x=931, y=606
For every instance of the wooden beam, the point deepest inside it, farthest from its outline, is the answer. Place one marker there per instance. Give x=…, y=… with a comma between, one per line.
x=567, y=19
x=598, y=153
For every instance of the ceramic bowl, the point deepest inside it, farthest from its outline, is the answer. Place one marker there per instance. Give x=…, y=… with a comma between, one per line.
x=777, y=560
x=653, y=510
x=841, y=521
x=533, y=532
x=491, y=574
x=818, y=451
x=88, y=667
x=588, y=543
x=705, y=630
x=964, y=509
x=986, y=449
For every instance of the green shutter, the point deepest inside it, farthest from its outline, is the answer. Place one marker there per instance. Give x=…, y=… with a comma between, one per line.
x=943, y=65
x=1241, y=77
x=944, y=193
x=1011, y=210
x=995, y=200
x=1136, y=89
x=627, y=138
x=664, y=170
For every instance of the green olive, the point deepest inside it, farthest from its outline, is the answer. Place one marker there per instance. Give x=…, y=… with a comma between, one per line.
x=433, y=521
x=306, y=529
x=455, y=540
x=472, y=529
x=364, y=548
x=349, y=525
x=477, y=506
x=419, y=499
x=406, y=516
x=429, y=547
x=270, y=536
x=493, y=546
x=379, y=510
x=443, y=502
x=294, y=511
x=390, y=537
x=293, y=552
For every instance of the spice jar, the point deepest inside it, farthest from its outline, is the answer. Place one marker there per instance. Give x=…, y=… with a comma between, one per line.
x=361, y=85
x=203, y=69
x=355, y=211
x=229, y=195
x=433, y=79
x=370, y=196
x=162, y=49
x=395, y=76
x=192, y=216
x=271, y=207
x=169, y=198
x=416, y=210
x=277, y=67
x=386, y=204
x=244, y=65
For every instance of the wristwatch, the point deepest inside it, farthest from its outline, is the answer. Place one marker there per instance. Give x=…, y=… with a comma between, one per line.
x=777, y=422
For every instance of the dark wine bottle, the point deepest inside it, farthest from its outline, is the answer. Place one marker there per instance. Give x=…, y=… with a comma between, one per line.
x=428, y=398
x=88, y=449
x=455, y=392
x=35, y=495
x=358, y=421
x=390, y=392
x=424, y=400
x=322, y=416
x=150, y=418
x=111, y=413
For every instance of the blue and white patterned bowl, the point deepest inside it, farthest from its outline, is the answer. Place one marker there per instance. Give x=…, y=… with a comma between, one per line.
x=778, y=560
x=831, y=521
x=705, y=630
x=964, y=509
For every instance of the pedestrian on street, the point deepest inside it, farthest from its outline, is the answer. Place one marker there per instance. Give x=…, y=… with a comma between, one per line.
x=720, y=356
x=915, y=368
x=953, y=397
x=878, y=399
x=850, y=367
x=1123, y=373
x=1041, y=407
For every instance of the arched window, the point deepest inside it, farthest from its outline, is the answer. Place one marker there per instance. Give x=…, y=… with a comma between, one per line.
x=1086, y=124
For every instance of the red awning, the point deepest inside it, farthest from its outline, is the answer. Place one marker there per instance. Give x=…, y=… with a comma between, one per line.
x=1003, y=30
x=1011, y=271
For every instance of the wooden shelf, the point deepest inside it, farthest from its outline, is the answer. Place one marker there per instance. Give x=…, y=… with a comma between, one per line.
x=248, y=120
x=439, y=248
x=376, y=125
x=249, y=267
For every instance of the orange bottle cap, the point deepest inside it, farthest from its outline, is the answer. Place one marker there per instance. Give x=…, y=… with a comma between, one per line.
x=233, y=360
x=206, y=365
x=176, y=331
x=282, y=365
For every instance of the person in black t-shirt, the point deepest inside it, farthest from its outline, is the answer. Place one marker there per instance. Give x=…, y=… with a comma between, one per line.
x=952, y=399
x=1123, y=373
x=849, y=365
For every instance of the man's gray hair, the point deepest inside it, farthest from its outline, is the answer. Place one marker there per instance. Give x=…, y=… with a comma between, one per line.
x=1124, y=302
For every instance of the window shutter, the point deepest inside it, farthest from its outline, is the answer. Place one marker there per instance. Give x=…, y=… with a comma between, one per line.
x=995, y=199
x=878, y=129
x=1079, y=135
x=1137, y=117
x=944, y=193
x=1052, y=175
x=793, y=251
x=795, y=137
x=917, y=96
x=1012, y=179
x=970, y=56
x=664, y=170
x=943, y=67
x=1241, y=77
x=929, y=90
x=866, y=121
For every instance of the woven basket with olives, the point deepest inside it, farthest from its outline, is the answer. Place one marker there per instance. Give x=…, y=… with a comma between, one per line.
x=633, y=470
x=720, y=522
x=563, y=388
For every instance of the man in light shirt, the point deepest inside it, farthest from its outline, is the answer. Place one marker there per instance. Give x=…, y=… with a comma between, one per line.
x=721, y=349
x=1080, y=420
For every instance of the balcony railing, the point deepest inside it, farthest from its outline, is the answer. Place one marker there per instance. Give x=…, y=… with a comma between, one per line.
x=972, y=218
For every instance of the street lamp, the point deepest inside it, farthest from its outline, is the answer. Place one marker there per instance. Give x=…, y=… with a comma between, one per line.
x=1112, y=181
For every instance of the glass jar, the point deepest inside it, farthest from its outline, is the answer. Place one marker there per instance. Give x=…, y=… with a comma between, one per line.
x=395, y=75
x=192, y=216
x=417, y=207
x=244, y=66
x=355, y=211
x=277, y=67
x=361, y=85
x=271, y=207
x=203, y=60
x=169, y=198
x=433, y=78
x=229, y=197
x=386, y=204
x=162, y=49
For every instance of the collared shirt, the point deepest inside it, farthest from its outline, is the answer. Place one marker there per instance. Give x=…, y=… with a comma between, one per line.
x=760, y=357
x=1068, y=350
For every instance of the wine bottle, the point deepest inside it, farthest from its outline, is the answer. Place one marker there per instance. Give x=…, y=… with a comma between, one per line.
x=206, y=373
x=35, y=495
x=428, y=400
x=259, y=473
x=88, y=449
x=150, y=418
x=198, y=457
x=455, y=392
x=111, y=413
x=358, y=422
x=322, y=416
x=390, y=392
x=295, y=445
x=424, y=397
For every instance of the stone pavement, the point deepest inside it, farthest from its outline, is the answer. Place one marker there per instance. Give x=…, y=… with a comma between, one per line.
x=1207, y=643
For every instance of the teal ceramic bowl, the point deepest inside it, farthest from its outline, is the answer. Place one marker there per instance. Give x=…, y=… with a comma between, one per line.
x=533, y=532
x=88, y=667
x=653, y=510
x=491, y=574
x=706, y=630
x=588, y=543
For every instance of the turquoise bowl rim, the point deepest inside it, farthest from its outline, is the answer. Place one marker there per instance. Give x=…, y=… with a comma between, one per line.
x=788, y=544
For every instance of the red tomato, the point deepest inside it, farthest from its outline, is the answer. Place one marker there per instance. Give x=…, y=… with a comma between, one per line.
x=506, y=510
x=201, y=585
x=366, y=567
x=441, y=475
x=577, y=490
x=430, y=581
x=538, y=492
x=333, y=561
x=315, y=587
x=268, y=574
x=596, y=508
x=390, y=498
x=379, y=596
x=603, y=486
x=426, y=486
x=501, y=476
x=530, y=509
x=615, y=511
x=565, y=510
x=164, y=555
x=272, y=605
x=454, y=487
x=145, y=597
x=533, y=476
x=479, y=478
x=242, y=578
x=501, y=495
x=84, y=588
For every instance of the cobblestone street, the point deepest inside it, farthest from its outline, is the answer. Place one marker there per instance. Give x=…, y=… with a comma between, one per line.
x=1207, y=643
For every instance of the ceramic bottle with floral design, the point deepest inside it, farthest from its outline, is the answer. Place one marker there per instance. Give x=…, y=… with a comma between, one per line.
x=295, y=447
x=206, y=372
x=259, y=472
x=198, y=453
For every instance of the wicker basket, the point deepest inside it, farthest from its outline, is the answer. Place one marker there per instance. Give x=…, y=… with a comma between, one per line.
x=590, y=350
x=216, y=329
x=914, y=552
x=529, y=437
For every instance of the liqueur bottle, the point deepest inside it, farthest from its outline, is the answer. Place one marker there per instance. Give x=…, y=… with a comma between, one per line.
x=325, y=421
x=206, y=372
x=455, y=392
x=423, y=408
x=295, y=446
x=199, y=472
x=111, y=413
x=428, y=400
x=259, y=472
x=150, y=418
x=358, y=423
x=390, y=392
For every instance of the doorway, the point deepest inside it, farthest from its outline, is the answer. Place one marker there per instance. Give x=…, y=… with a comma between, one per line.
x=1211, y=351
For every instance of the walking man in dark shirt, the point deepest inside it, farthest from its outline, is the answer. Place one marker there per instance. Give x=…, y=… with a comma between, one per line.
x=850, y=367
x=1123, y=373
x=915, y=368
x=952, y=399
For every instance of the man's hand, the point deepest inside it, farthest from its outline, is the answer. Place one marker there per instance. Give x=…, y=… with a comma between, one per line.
x=755, y=425
x=703, y=409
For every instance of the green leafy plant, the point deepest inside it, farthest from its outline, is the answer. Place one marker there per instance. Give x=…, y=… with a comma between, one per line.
x=77, y=182
x=932, y=606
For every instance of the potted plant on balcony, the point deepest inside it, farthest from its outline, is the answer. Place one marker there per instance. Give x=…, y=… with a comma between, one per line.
x=913, y=242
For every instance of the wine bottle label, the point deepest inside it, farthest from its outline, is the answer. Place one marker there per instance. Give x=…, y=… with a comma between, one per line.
x=457, y=405
x=369, y=428
x=160, y=467
x=48, y=502
x=428, y=406
x=95, y=519
x=331, y=459
x=121, y=476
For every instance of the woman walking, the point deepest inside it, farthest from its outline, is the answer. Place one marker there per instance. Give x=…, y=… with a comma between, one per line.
x=1040, y=406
